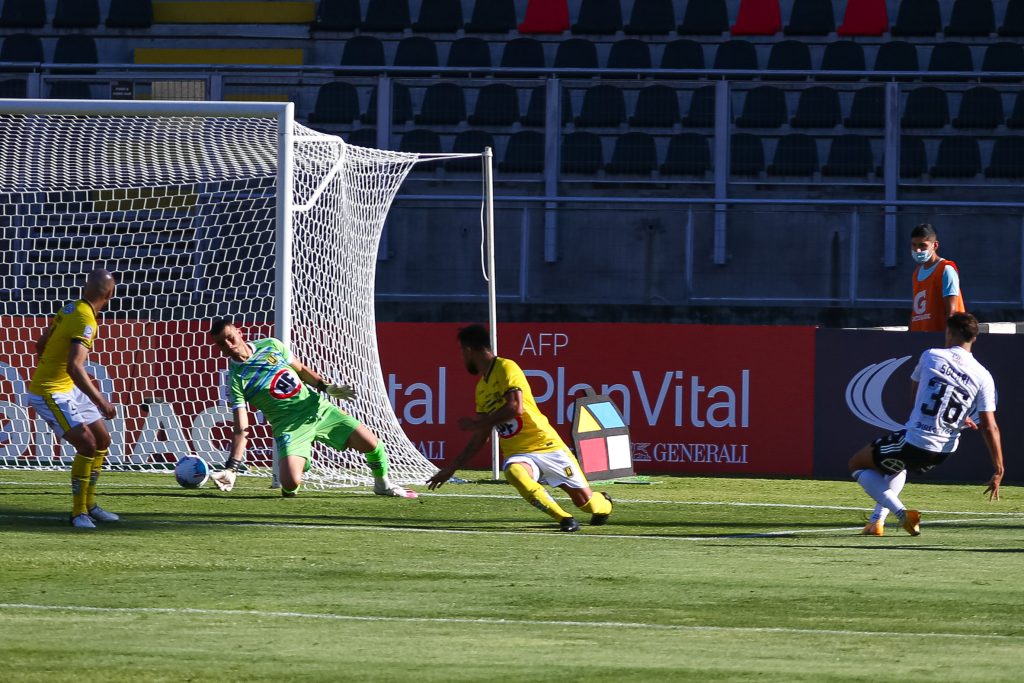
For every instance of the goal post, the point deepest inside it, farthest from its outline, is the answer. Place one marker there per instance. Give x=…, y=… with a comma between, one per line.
x=202, y=210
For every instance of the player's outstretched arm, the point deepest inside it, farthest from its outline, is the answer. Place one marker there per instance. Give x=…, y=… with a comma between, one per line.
x=476, y=442
x=313, y=379
x=993, y=441
x=225, y=477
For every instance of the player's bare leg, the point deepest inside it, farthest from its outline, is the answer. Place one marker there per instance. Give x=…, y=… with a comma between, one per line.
x=292, y=468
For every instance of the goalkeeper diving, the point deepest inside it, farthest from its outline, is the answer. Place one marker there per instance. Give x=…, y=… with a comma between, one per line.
x=265, y=374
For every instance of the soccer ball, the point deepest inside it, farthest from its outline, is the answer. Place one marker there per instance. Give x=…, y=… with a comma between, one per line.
x=191, y=472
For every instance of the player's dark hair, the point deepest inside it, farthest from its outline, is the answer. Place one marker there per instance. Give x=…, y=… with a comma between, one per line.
x=474, y=337
x=924, y=230
x=963, y=326
x=218, y=325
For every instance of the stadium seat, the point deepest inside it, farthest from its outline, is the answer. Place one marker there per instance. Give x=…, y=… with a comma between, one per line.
x=1013, y=20
x=652, y=18
x=331, y=15
x=634, y=154
x=1016, y=119
x=950, y=56
x=763, y=107
x=75, y=49
x=599, y=17
x=492, y=16
x=917, y=18
x=401, y=105
x=683, y=54
x=811, y=18
x=972, y=18
x=336, y=102
x=868, y=108
x=843, y=55
x=76, y=14
x=386, y=16
x=524, y=53
x=795, y=155
x=789, y=55
x=959, y=157
x=469, y=142
x=688, y=154
x=1003, y=57
x=14, y=88
x=23, y=14
x=70, y=90
x=439, y=16
x=443, y=104
x=818, y=108
x=1007, y=158
x=604, y=106
x=576, y=53
x=363, y=51
x=469, y=52
x=980, y=107
x=758, y=18
x=629, y=54
x=926, y=107
x=896, y=55
x=736, y=54
x=746, y=154
x=361, y=137
x=21, y=47
x=913, y=157
x=524, y=153
x=705, y=18
x=536, y=110
x=657, y=106
x=134, y=14
x=497, y=104
x=864, y=18
x=545, y=16
x=581, y=153
x=701, y=113
x=420, y=141
x=849, y=155
x=416, y=51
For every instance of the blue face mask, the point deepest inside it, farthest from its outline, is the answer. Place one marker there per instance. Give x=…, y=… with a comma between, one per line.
x=922, y=256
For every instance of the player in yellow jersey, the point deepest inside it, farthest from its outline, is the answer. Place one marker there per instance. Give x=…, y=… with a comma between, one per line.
x=63, y=394
x=531, y=449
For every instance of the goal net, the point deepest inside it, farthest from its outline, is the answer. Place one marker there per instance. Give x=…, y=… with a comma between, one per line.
x=201, y=210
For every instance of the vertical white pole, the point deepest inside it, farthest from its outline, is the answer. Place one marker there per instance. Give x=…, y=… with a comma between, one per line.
x=492, y=291
x=283, y=245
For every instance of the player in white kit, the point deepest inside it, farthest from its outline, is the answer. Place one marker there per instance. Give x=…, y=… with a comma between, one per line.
x=949, y=386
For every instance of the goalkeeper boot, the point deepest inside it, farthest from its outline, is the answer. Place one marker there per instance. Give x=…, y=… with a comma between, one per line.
x=912, y=522
x=876, y=528
x=224, y=479
x=384, y=487
x=568, y=524
x=98, y=514
x=82, y=521
x=598, y=520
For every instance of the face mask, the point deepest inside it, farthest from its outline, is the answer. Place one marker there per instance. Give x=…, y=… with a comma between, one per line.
x=922, y=256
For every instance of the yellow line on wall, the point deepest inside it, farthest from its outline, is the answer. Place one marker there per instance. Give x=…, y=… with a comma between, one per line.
x=233, y=12
x=156, y=55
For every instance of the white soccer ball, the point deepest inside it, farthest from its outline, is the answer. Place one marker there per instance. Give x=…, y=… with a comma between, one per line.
x=191, y=472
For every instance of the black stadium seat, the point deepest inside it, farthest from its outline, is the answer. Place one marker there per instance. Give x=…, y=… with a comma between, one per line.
x=75, y=49
x=77, y=14
x=763, y=107
x=497, y=104
x=386, y=16
x=361, y=137
x=683, y=54
x=492, y=16
x=795, y=155
x=420, y=141
x=950, y=56
x=972, y=18
x=652, y=17
x=811, y=18
x=705, y=18
x=331, y=15
x=604, y=106
x=818, y=108
x=701, y=113
x=746, y=154
x=918, y=18
x=525, y=53
x=1016, y=119
x=926, y=107
x=536, y=110
x=401, y=105
x=1004, y=56
x=736, y=54
x=688, y=154
x=363, y=51
x=443, y=104
x=843, y=55
x=23, y=14
x=416, y=51
x=980, y=107
x=629, y=54
x=657, y=106
x=913, y=157
x=868, y=108
x=849, y=155
x=959, y=157
x=22, y=47
x=1013, y=20
x=598, y=17
x=469, y=52
x=581, y=153
x=789, y=55
x=439, y=16
x=469, y=142
x=634, y=154
x=524, y=152
x=896, y=55
x=139, y=14
x=576, y=53
x=336, y=102
x=1007, y=158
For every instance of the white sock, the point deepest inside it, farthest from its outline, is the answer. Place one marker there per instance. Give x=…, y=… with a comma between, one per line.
x=896, y=482
x=876, y=485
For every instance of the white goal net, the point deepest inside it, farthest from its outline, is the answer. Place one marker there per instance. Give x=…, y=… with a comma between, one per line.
x=201, y=211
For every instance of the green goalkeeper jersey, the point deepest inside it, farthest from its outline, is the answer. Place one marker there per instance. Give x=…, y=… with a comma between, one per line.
x=267, y=381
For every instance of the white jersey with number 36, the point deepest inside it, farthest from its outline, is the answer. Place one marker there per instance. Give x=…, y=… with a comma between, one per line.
x=951, y=386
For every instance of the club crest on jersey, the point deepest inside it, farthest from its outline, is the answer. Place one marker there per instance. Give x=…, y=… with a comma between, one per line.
x=506, y=430
x=284, y=384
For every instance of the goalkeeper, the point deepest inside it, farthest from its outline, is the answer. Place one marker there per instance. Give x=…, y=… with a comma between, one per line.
x=265, y=374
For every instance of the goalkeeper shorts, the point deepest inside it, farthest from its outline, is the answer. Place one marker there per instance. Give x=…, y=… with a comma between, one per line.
x=332, y=427
x=557, y=468
x=65, y=410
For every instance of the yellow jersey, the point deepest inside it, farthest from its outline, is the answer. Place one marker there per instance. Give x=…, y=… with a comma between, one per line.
x=74, y=323
x=530, y=432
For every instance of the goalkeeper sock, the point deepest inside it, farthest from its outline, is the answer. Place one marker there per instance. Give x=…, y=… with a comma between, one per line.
x=533, y=492
x=597, y=505
x=94, y=475
x=377, y=459
x=81, y=470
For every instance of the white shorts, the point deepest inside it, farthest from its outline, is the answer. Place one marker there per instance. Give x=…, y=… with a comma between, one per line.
x=556, y=468
x=65, y=410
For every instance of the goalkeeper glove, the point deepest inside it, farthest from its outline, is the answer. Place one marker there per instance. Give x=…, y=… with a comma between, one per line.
x=234, y=465
x=341, y=391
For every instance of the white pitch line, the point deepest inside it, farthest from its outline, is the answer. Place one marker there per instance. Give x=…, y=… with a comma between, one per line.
x=481, y=621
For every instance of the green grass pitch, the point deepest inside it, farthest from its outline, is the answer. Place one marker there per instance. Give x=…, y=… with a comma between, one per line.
x=698, y=579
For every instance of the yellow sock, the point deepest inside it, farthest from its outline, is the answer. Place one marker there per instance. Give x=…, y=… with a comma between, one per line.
x=81, y=470
x=97, y=465
x=533, y=492
x=597, y=505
